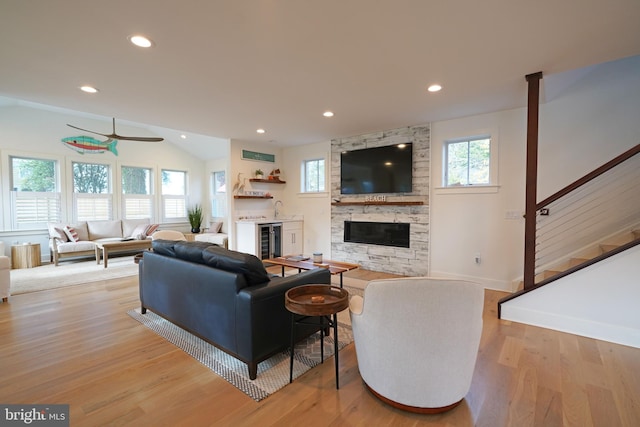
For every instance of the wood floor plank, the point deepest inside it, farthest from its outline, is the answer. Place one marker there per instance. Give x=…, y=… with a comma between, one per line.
x=78, y=346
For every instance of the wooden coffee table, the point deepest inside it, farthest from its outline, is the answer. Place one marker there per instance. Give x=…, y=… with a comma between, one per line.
x=335, y=267
x=324, y=301
x=119, y=246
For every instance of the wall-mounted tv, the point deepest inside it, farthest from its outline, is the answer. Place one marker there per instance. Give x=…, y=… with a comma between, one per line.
x=385, y=169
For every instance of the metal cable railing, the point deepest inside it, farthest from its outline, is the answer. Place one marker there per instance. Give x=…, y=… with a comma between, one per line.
x=592, y=212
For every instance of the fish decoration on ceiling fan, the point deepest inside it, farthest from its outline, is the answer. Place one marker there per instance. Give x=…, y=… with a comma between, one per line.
x=87, y=144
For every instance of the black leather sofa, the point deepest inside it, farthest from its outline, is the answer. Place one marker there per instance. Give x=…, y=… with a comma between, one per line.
x=225, y=297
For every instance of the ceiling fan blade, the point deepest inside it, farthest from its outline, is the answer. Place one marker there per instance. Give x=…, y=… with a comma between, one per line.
x=134, y=138
x=114, y=135
x=87, y=130
x=138, y=138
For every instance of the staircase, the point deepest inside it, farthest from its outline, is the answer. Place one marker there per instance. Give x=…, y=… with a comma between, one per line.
x=588, y=256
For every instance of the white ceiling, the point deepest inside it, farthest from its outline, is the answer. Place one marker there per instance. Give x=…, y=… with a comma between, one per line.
x=225, y=68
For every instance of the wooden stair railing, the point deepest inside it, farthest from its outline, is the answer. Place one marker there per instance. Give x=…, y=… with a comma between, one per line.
x=532, y=209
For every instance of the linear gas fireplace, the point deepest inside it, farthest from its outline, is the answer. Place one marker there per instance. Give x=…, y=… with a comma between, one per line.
x=377, y=233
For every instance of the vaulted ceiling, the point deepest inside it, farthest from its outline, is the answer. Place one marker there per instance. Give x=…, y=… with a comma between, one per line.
x=227, y=68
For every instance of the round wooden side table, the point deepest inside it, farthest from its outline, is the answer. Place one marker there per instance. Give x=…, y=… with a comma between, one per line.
x=324, y=301
x=26, y=255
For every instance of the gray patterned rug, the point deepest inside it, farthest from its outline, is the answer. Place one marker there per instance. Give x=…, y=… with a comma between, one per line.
x=273, y=373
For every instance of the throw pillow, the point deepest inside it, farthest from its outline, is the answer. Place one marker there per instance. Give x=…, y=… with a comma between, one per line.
x=59, y=234
x=215, y=227
x=150, y=229
x=71, y=233
x=139, y=232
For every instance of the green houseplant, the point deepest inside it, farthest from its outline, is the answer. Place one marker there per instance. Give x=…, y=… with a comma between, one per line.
x=195, y=218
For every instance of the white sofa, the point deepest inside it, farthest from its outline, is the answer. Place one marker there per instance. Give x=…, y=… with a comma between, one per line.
x=220, y=239
x=214, y=235
x=90, y=232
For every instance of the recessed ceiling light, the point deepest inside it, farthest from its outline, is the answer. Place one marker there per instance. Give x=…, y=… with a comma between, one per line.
x=434, y=88
x=88, y=89
x=328, y=114
x=261, y=131
x=140, y=40
x=183, y=136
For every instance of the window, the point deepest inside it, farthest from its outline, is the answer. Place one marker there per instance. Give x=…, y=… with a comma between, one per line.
x=218, y=194
x=174, y=195
x=313, y=176
x=467, y=161
x=35, y=195
x=137, y=195
x=92, y=196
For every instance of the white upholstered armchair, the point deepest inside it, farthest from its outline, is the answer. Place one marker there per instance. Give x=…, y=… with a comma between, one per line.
x=417, y=340
x=168, y=235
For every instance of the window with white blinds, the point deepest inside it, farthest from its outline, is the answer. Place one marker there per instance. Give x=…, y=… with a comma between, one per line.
x=92, y=206
x=92, y=196
x=174, y=207
x=34, y=209
x=218, y=194
x=174, y=195
x=137, y=194
x=35, y=194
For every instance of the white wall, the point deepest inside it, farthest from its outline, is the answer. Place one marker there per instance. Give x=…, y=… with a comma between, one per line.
x=240, y=208
x=588, y=124
x=464, y=224
x=316, y=208
x=600, y=302
x=27, y=131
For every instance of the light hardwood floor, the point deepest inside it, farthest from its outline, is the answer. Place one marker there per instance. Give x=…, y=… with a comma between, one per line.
x=78, y=346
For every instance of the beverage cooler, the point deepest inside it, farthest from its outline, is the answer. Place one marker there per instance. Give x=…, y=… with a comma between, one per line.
x=269, y=240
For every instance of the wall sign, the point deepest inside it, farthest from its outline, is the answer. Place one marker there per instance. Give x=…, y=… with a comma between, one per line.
x=261, y=157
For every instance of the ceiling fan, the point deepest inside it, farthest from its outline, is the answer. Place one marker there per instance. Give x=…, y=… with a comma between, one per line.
x=114, y=135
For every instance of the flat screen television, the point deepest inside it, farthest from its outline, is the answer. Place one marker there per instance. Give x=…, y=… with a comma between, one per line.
x=385, y=169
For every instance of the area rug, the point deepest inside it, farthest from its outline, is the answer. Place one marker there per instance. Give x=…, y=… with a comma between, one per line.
x=273, y=373
x=70, y=273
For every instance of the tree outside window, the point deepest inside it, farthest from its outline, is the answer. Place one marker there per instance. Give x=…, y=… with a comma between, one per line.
x=467, y=161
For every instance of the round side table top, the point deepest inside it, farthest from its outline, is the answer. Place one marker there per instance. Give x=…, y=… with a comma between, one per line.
x=316, y=300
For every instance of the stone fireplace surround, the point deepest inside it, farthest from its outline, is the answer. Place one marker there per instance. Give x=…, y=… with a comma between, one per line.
x=412, y=261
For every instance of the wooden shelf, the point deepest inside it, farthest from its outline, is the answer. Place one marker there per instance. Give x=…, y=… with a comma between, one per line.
x=377, y=203
x=268, y=181
x=253, y=197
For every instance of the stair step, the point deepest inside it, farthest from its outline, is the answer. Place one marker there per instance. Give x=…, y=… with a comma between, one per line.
x=636, y=234
x=577, y=261
x=607, y=247
x=550, y=273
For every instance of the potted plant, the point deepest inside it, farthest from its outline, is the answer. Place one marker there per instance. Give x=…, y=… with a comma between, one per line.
x=259, y=174
x=195, y=218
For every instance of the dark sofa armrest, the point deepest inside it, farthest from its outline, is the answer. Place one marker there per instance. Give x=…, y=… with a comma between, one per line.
x=263, y=323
